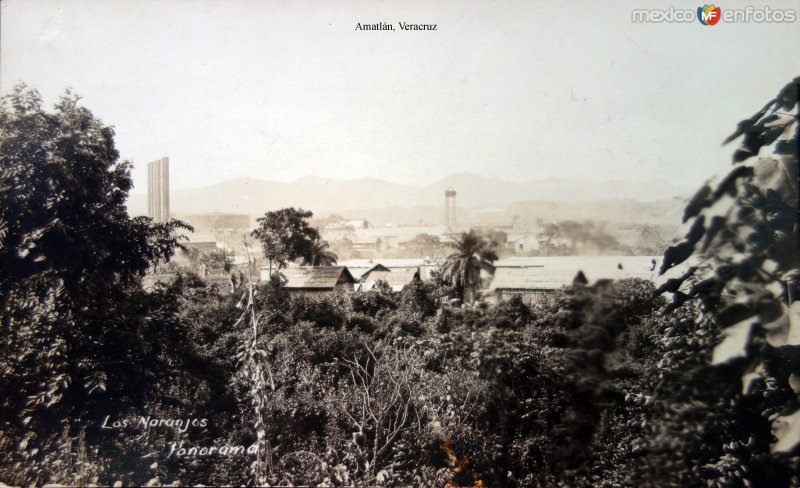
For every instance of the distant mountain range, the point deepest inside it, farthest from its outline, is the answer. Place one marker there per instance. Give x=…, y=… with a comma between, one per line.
x=481, y=196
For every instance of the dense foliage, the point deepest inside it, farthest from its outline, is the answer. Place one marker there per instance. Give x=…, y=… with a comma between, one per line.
x=602, y=385
x=320, y=254
x=78, y=332
x=470, y=255
x=286, y=235
x=743, y=232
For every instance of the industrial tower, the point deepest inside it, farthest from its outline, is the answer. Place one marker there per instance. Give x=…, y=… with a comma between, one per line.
x=158, y=190
x=450, y=207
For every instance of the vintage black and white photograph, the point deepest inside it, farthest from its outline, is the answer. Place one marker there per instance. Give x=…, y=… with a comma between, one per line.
x=418, y=243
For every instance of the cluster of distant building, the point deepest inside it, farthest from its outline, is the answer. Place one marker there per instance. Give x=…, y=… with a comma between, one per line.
x=358, y=239
x=532, y=278
x=366, y=268
x=357, y=275
x=361, y=240
x=353, y=238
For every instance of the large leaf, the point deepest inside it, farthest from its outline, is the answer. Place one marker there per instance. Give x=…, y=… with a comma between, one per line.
x=735, y=342
x=787, y=430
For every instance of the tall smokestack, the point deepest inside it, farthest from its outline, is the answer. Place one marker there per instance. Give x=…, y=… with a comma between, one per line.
x=158, y=190
x=450, y=208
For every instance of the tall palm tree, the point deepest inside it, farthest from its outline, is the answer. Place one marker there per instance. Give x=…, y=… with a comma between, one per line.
x=471, y=254
x=320, y=255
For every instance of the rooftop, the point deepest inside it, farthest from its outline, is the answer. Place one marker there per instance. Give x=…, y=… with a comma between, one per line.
x=359, y=271
x=316, y=277
x=554, y=272
x=393, y=277
x=397, y=280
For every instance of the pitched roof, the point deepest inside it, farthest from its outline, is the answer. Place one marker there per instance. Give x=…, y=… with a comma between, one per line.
x=394, y=277
x=359, y=271
x=316, y=277
x=397, y=280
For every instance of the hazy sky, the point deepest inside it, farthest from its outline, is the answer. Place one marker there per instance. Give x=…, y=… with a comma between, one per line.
x=518, y=90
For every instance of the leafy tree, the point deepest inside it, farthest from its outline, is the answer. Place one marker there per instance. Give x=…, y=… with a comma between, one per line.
x=575, y=231
x=219, y=260
x=285, y=236
x=551, y=237
x=75, y=323
x=343, y=248
x=425, y=245
x=463, y=267
x=743, y=235
x=63, y=199
x=320, y=255
x=580, y=235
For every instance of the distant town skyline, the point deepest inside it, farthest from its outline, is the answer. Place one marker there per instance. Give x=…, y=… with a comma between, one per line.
x=383, y=201
x=422, y=181
x=515, y=90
